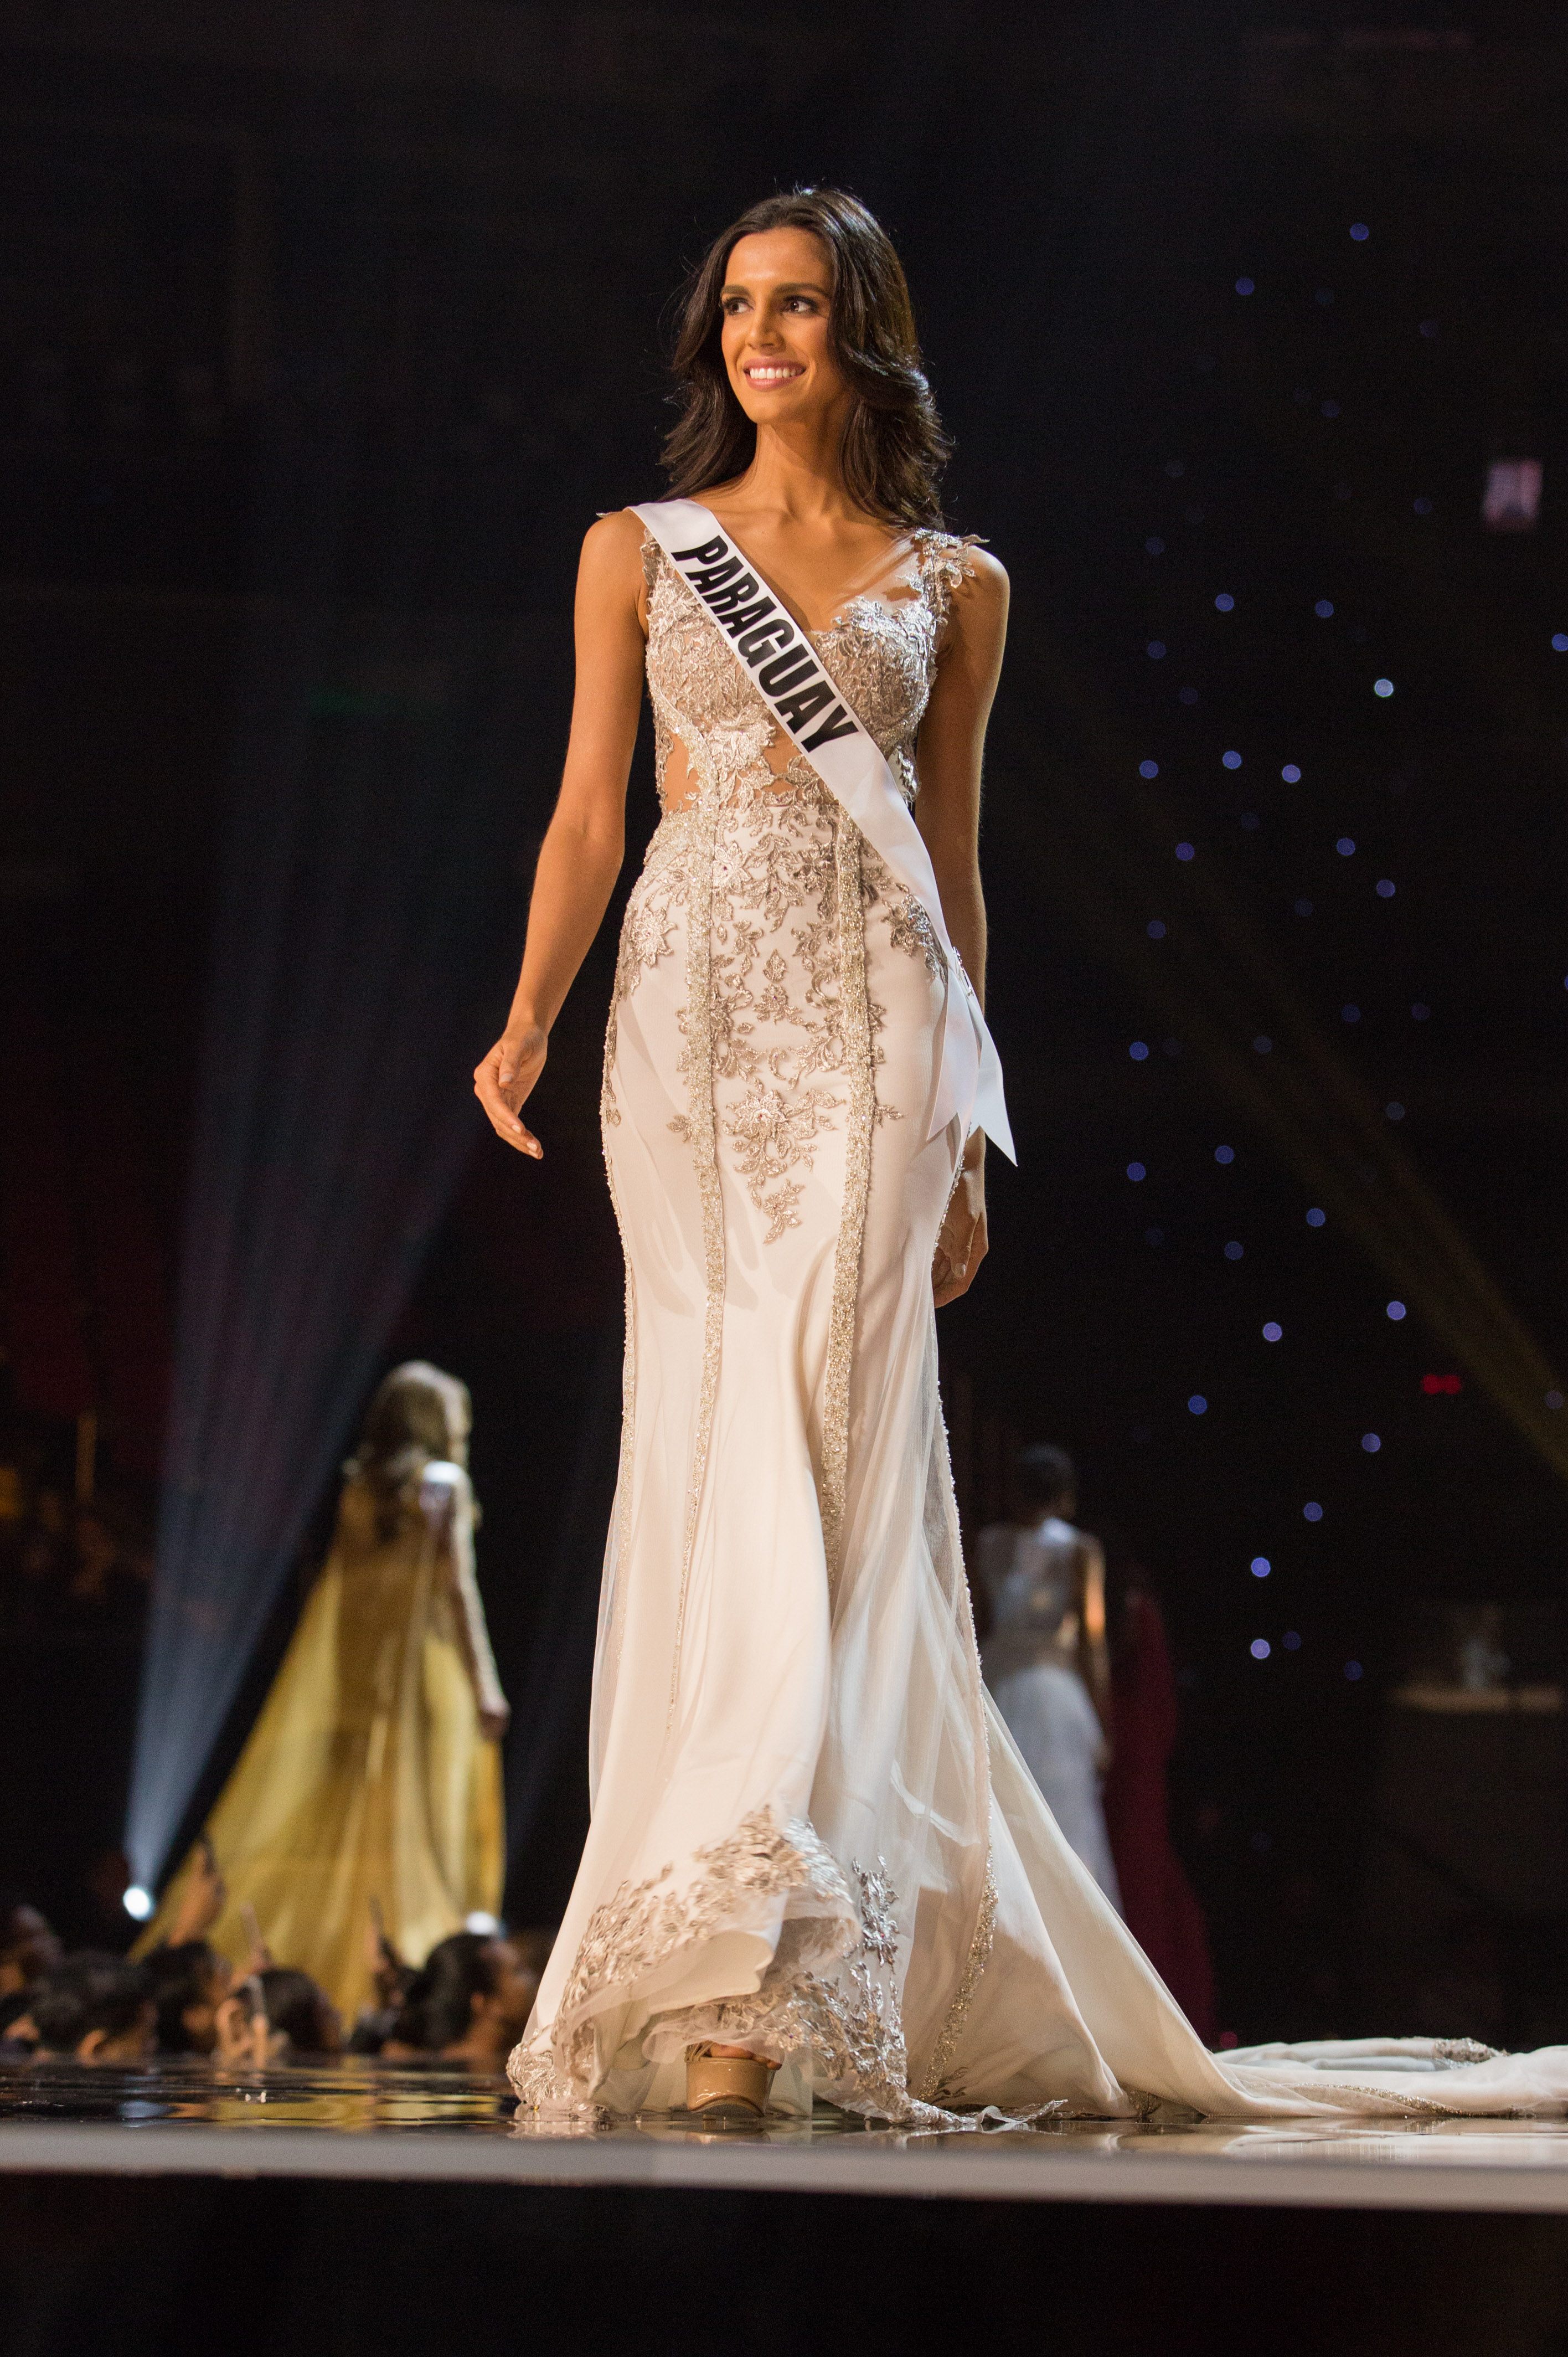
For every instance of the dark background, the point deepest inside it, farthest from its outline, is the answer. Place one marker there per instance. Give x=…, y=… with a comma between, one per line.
x=357, y=313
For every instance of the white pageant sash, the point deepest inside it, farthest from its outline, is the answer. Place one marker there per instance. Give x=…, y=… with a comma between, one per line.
x=798, y=689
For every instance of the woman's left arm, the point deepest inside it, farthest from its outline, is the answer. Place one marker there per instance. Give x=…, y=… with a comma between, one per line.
x=447, y=1499
x=949, y=758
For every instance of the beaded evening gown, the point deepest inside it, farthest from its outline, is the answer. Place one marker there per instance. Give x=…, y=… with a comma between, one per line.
x=812, y=1833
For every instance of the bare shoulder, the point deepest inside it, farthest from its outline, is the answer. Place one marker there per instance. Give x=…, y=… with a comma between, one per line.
x=984, y=586
x=612, y=547
x=976, y=629
x=440, y=1478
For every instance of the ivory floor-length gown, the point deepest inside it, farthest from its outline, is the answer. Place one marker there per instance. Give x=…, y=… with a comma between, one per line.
x=812, y=1833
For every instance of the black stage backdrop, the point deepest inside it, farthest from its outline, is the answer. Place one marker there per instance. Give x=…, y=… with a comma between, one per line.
x=335, y=326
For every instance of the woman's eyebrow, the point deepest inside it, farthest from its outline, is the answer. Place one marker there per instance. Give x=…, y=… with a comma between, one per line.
x=786, y=286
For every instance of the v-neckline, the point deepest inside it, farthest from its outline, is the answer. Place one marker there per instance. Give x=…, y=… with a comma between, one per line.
x=773, y=589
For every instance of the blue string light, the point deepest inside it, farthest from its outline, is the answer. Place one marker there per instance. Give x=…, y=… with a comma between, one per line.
x=1272, y=1330
x=1315, y=1218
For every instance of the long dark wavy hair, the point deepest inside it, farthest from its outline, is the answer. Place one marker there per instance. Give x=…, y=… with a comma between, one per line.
x=893, y=446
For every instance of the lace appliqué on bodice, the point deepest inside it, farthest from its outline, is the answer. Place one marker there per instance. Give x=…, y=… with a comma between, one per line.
x=759, y=845
x=882, y=655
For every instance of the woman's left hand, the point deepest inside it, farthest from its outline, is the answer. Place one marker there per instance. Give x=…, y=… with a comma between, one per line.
x=963, y=1242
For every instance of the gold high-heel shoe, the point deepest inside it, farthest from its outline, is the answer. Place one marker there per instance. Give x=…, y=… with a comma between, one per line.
x=733, y=2085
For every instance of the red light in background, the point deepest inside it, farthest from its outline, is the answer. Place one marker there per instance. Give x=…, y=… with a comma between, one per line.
x=1432, y=1386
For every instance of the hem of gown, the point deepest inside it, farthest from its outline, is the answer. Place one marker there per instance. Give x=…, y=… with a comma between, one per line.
x=828, y=2002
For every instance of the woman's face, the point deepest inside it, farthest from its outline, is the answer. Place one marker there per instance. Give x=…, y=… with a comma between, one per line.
x=778, y=293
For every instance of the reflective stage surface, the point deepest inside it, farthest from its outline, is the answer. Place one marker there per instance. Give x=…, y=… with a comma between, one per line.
x=358, y=2119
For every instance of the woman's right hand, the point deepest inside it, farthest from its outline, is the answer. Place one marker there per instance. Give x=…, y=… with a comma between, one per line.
x=504, y=1079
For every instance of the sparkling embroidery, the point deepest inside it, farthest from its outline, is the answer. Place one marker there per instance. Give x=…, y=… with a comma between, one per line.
x=858, y=1054
x=935, y=2087
x=878, y=1922
x=773, y=1133
x=645, y=1924
x=627, y=1429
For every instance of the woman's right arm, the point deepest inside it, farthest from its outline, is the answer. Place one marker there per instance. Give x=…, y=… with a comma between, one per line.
x=583, y=849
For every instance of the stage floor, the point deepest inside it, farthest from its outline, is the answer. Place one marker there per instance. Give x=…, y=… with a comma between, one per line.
x=365, y=2121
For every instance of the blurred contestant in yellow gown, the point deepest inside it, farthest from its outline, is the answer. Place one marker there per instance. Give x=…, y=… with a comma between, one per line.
x=373, y=1772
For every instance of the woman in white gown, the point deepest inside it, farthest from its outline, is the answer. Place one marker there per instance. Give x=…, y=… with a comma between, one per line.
x=1046, y=1658
x=813, y=1844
